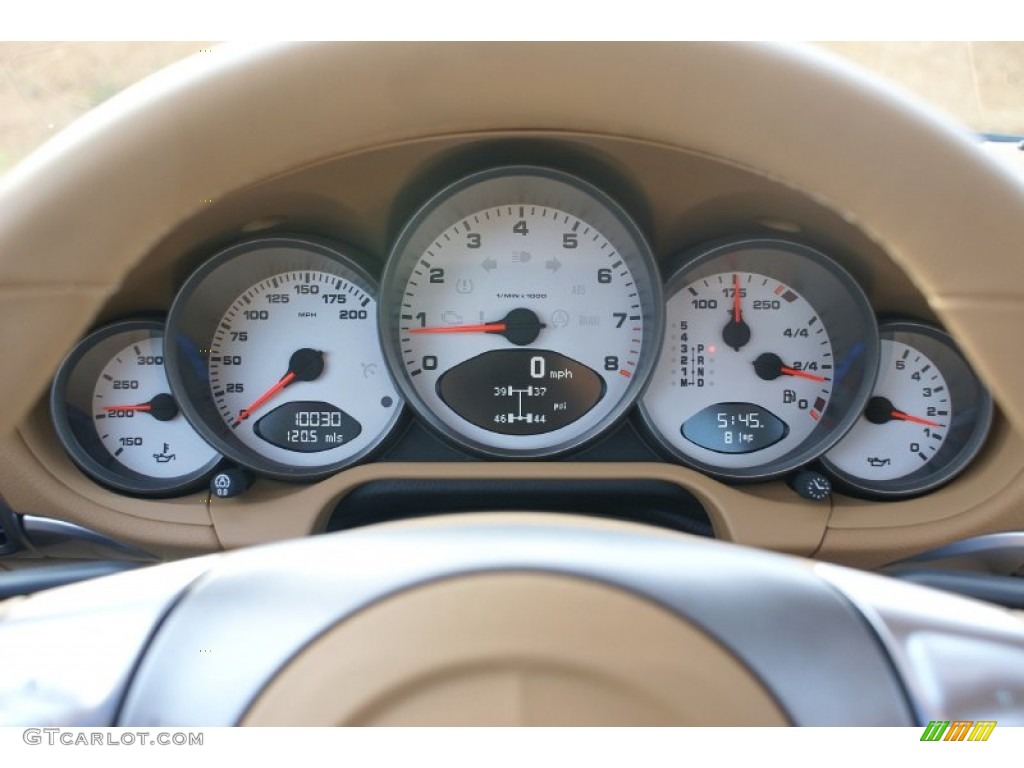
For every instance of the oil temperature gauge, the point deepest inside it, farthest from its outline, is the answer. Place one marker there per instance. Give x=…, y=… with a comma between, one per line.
x=926, y=419
x=116, y=418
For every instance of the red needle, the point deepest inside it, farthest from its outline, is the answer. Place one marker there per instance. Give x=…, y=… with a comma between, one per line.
x=284, y=382
x=737, y=308
x=801, y=374
x=915, y=419
x=485, y=328
x=143, y=407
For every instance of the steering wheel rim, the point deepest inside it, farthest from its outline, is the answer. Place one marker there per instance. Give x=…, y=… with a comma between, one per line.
x=201, y=130
x=795, y=635
x=160, y=149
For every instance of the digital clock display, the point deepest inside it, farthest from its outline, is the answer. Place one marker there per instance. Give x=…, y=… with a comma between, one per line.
x=734, y=428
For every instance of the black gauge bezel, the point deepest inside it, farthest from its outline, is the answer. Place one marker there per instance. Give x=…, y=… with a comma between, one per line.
x=969, y=426
x=71, y=393
x=521, y=185
x=200, y=305
x=840, y=303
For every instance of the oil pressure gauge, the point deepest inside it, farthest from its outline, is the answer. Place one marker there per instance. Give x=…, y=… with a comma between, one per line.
x=927, y=417
x=115, y=415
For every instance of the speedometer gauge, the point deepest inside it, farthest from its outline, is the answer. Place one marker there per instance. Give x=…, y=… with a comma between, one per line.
x=769, y=355
x=927, y=418
x=275, y=357
x=521, y=313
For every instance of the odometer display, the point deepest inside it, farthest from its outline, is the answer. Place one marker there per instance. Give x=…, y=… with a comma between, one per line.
x=277, y=357
x=522, y=313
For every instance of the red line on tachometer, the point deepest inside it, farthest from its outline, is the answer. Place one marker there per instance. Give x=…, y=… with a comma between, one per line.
x=483, y=328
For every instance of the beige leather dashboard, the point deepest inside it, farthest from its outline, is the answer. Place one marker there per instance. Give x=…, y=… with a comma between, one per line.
x=697, y=141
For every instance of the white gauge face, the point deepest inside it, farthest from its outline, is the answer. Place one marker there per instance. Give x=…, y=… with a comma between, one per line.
x=770, y=352
x=296, y=371
x=906, y=420
x=136, y=419
x=745, y=372
x=523, y=328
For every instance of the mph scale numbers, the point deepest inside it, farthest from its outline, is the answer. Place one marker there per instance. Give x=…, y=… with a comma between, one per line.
x=295, y=369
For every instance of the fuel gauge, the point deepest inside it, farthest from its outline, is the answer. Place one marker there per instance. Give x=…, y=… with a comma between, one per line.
x=927, y=417
x=115, y=415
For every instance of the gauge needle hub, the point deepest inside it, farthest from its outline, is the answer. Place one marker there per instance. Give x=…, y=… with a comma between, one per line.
x=521, y=326
x=304, y=365
x=162, y=407
x=736, y=332
x=880, y=410
x=769, y=367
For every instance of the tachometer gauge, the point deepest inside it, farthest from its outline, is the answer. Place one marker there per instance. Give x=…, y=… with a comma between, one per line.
x=275, y=358
x=116, y=417
x=769, y=355
x=926, y=419
x=521, y=312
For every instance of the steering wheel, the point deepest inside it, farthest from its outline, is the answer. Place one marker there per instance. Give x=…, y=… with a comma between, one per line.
x=511, y=619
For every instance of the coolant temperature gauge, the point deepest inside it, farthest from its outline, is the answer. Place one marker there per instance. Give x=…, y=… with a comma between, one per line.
x=115, y=415
x=768, y=358
x=925, y=420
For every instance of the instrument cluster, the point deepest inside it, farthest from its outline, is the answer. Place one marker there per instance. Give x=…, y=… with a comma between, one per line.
x=520, y=315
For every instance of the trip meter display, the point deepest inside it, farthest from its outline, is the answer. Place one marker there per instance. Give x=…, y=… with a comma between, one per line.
x=769, y=355
x=521, y=312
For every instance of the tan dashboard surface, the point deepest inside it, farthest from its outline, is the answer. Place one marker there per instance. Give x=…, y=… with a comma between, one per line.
x=698, y=139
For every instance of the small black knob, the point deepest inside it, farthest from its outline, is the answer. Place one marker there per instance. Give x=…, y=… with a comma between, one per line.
x=230, y=482
x=811, y=485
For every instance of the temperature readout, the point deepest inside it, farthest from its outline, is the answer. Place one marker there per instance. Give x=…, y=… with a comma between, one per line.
x=521, y=391
x=734, y=428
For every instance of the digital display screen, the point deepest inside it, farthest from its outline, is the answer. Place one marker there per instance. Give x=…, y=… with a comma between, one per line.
x=521, y=391
x=307, y=427
x=734, y=428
